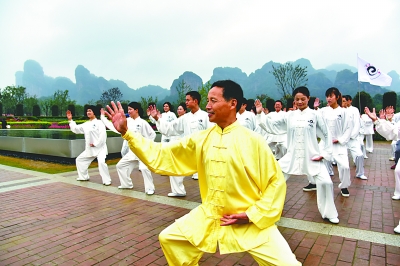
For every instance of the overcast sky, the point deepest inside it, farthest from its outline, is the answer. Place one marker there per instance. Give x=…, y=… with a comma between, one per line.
x=154, y=42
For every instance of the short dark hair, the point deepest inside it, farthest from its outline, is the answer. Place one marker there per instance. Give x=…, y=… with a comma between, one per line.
x=303, y=90
x=279, y=101
x=94, y=108
x=230, y=90
x=183, y=106
x=347, y=97
x=195, y=96
x=171, y=108
x=335, y=91
x=136, y=106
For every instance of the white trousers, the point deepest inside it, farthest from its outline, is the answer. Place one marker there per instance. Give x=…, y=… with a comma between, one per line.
x=342, y=161
x=125, y=167
x=82, y=164
x=177, y=184
x=325, y=200
x=179, y=251
x=358, y=156
x=369, y=143
x=393, y=145
x=397, y=180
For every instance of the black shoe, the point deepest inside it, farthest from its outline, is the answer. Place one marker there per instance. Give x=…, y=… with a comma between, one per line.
x=345, y=192
x=310, y=187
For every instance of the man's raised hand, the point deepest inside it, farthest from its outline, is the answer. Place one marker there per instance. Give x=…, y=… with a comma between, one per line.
x=117, y=115
x=372, y=114
x=258, y=105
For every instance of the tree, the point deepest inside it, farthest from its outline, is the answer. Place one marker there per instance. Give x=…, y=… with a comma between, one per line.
x=71, y=107
x=29, y=102
x=203, y=90
x=113, y=94
x=19, y=111
x=182, y=89
x=389, y=99
x=144, y=102
x=46, y=104
x=61, y=99
x=10, y=96
x=36, y=110
x=55, y=110
x=289, y=77
x=364, y=99
x=377, y=101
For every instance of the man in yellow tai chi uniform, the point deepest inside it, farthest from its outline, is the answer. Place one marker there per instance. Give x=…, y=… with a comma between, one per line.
x=241, y=185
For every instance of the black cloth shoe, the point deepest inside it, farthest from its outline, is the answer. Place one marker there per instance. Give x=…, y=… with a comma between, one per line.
x=310, y=187
x=345, y=192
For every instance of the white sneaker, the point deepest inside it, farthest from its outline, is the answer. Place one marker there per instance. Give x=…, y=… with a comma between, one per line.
x=397, y=229
x=363, y=177
x=78, y=179
x=391, y=159
x=334, y=220
x=107, y=184
x=172, y=194
x=396, y=197
x=150, y=192
x=121, y=187
x=195, y=177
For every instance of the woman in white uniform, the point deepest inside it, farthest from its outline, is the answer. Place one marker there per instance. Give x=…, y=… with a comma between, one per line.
x=304, y=156
x=95, y=145
x=389, y=131
x=338, y=122
x=177, y=187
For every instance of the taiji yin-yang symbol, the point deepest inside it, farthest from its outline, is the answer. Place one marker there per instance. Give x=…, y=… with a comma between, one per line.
x=372, y=72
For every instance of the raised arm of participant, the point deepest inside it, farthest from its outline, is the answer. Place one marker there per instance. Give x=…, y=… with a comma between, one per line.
x=107, y=122
x=72, y=124
x=316, y=103
x=382, y=126
x=272, y=126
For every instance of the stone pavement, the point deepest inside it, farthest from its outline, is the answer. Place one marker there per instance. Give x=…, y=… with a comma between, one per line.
x=56, y=220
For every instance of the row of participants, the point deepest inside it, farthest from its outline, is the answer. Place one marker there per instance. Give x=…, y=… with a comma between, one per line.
x=242, y=185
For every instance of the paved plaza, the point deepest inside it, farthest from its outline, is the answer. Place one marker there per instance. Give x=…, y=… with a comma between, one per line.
x=55, y=220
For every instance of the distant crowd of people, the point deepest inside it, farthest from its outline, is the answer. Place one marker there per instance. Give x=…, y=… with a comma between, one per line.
x=241, y=154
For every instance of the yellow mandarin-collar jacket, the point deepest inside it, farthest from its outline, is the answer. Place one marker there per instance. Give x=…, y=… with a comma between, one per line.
x=237, y=173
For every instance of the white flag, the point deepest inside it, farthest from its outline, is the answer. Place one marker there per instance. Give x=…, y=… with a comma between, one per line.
x=367, y=72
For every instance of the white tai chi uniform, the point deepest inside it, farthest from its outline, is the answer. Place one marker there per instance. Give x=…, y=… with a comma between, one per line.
x=391, y=132
x=354, y=145
x=361, y=139
x=130, y=161
x=167, y=116
x=95, y=133
x=303, y=128
x=247, y=119
x=185, y=125
x=338, y=121
x=368, y=132
x=277, y=142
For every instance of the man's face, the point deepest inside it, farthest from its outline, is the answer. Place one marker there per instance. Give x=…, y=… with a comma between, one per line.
x=218, y=108
x=344, y=103
x=243, y=108
x=278, y=106
x=349, y=103
x=190, y=103
x=132, y=112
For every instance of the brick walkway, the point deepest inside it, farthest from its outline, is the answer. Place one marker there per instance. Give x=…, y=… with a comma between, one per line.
x=56, y=220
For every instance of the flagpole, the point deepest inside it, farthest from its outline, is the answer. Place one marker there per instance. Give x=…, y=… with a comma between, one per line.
x=358, y=88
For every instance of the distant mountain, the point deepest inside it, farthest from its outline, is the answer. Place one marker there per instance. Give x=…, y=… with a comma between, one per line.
x=89, y=87
x=340, y=67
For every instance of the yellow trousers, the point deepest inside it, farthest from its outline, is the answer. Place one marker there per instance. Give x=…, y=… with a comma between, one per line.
x=179, y=251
